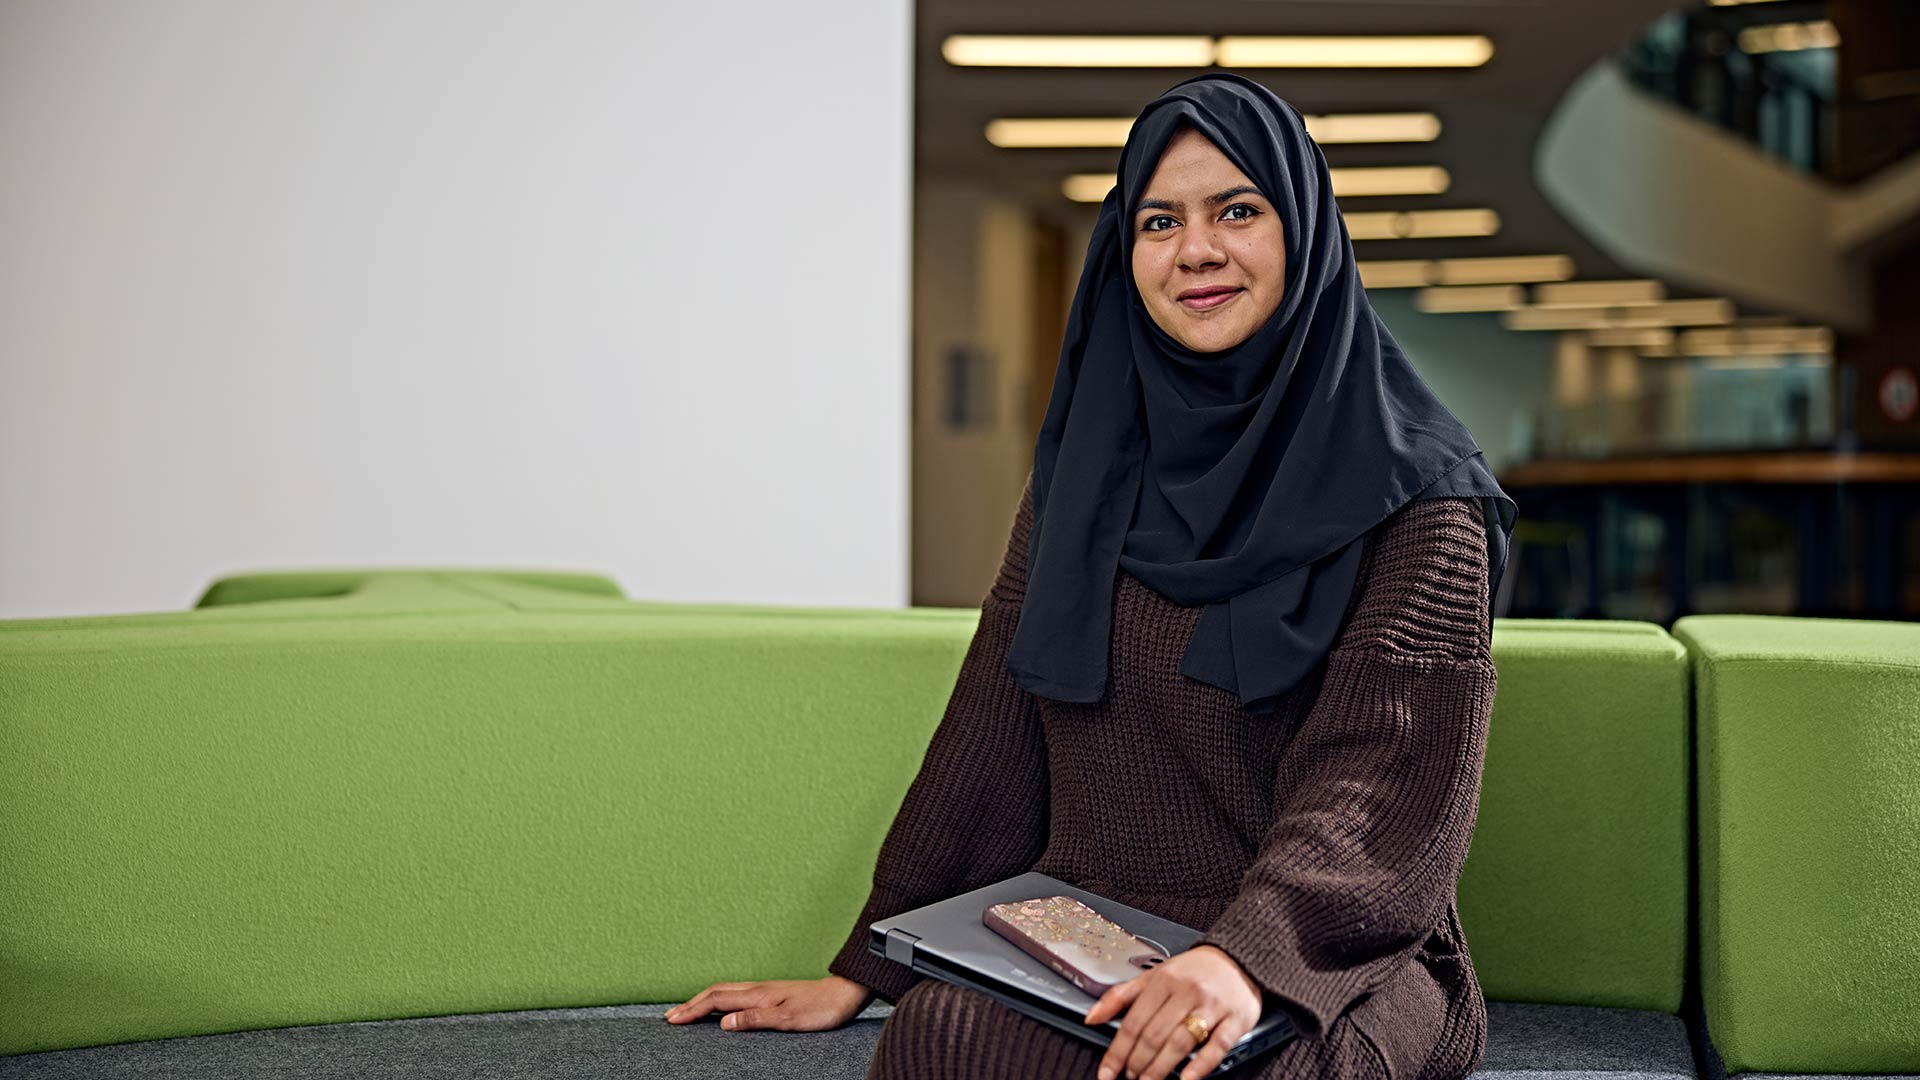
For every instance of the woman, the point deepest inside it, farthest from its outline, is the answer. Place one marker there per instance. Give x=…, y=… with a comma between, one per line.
x=1234, y=668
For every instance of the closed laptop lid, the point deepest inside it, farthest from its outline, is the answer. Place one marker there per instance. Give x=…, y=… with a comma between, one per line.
x=949, y=940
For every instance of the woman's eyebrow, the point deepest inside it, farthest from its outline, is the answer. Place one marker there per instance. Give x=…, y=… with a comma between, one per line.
x=1211, y=200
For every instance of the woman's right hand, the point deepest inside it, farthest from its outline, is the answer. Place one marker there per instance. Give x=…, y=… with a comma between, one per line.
x=777, y=1004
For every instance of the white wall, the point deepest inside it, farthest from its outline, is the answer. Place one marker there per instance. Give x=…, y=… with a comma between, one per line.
x=599, y=285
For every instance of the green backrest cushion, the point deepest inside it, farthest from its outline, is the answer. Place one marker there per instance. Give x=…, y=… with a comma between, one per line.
x=1575, y=889
x=440, y=792
x=1809, y=822
x=361, y=586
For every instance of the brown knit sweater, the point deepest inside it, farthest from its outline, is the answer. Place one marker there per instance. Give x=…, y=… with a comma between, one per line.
x=1319, y=847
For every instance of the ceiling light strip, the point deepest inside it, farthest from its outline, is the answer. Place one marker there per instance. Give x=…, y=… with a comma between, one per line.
x=1421, y=224
x=1668, y=313
x=1759, y=339
x=1068, y=50
x=1493, y=270
x=1088, y=50
x=1390, y=180
x=1789, y=37
x=1651, y=338
x=1373, y=127
x=1347, y=183
x=1458, y=50
x=1599, y=294
x=1485, y=270
x=1449, y=299
x=1060, y=133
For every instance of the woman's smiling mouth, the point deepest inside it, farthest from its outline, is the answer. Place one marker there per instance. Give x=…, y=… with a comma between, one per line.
x=1205, y=299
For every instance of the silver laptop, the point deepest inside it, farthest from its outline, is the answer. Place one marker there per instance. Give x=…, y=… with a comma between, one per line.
x=949, y=941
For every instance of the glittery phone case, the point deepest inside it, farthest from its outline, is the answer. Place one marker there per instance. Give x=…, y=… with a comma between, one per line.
x=1083, y=946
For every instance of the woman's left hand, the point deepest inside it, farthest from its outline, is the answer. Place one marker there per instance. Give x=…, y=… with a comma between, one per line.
x=1203, y=982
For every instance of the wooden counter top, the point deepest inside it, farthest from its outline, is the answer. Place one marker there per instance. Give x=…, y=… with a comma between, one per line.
x=1789, y=467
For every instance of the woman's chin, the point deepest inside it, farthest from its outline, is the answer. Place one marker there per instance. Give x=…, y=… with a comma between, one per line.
x=1211, y=339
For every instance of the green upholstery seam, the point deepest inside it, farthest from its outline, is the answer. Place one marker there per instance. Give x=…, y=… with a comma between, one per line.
x=473, y=589
x=1776, y=659
x=186, y=621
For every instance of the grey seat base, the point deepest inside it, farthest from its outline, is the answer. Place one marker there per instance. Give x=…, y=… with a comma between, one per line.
x=1525, y=1042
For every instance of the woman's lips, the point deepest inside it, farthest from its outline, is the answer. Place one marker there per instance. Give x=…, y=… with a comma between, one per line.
x=1214, y=300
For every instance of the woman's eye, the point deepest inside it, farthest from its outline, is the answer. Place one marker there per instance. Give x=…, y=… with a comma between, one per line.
x=1147, y=226
x=1251, y=211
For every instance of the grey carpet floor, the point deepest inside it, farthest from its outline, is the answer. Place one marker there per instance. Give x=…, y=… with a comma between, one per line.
x=1525, y=1042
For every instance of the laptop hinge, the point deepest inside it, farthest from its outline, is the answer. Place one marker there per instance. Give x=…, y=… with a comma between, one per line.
x=900, y=946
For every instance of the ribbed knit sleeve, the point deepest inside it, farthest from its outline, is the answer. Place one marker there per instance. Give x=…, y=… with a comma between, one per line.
x=977, y=810
x=1378, y=789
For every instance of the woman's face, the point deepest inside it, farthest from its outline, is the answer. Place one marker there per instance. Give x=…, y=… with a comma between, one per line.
x=1202, y=225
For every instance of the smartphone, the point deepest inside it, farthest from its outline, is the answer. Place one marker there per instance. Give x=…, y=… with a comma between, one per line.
x=1085, y=947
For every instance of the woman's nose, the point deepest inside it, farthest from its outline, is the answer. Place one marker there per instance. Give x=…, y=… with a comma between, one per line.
x=1198, y=249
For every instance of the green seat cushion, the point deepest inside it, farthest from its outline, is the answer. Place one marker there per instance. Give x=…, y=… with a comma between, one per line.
x=1575, y=888
x=1809, y=825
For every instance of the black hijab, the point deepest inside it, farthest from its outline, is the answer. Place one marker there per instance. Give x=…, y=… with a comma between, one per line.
x=1245, y=480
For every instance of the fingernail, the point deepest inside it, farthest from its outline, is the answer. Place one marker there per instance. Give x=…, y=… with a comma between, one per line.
x=1106, y=1073
x=727, y=1022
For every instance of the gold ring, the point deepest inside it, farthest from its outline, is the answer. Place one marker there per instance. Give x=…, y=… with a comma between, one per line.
x=1197, y=1028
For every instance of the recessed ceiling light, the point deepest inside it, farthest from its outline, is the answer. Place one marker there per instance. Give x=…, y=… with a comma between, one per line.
x=1390, y=180
x=1651, y=338
x=1789, y=37
x=1087, y=187
x=1061, y=132
x=1091, y=50
x=1445, y=299
x=1069, y=50
x=1488, y=270
x=1382, y=51
x=1599, y=294
x=1669, y=313
x=1105, y=131
x=1347, y=183
x=1495, y=269
x=1757, y=340
x=1420, y=224
x=1396, y=273
x=1763, y=362
x=1374, y=127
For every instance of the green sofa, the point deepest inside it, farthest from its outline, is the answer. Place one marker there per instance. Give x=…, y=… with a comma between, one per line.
x=1808, y=787
x=422, y=822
